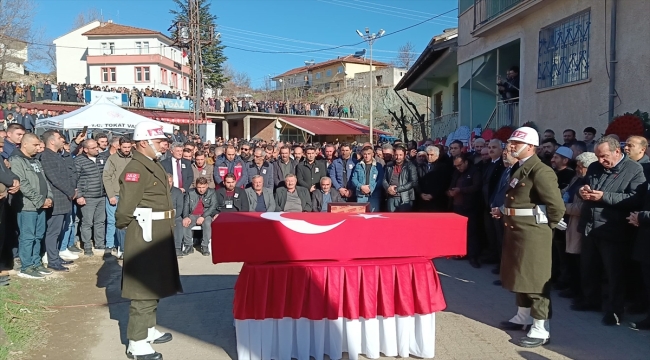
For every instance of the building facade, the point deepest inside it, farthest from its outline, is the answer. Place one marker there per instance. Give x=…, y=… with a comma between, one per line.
x=122, y=56
x=13, y=54
x=562, y=49
x=328, y=75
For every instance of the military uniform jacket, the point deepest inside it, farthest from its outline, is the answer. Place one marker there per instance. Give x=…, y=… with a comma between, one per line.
x=526, y=257
x=150, y=269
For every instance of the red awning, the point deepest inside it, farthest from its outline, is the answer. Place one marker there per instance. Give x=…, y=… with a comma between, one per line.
x=314, y=126
x=363, y=128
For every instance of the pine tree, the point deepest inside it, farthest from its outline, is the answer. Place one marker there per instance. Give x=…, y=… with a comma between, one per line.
x=213, y=57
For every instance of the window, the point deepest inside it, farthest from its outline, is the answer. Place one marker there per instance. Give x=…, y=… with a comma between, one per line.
x=437, y=105
x=563, y=55
x=380, y=80
x=339, y=70
x=317, y=75
x=108, y=75
x=138, y=47
x=163, y=76
x=464, y=5
x=105, y=49
x=111, y=46
x=328, y=73
x=142, y=74
x=145, y=47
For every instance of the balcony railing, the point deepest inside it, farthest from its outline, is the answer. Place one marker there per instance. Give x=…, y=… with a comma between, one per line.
x=442, y=126
x=487, y=10
x=505, y=113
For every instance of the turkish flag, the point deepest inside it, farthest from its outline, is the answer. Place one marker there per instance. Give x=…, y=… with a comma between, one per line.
x=184, y=53
x=281, y=237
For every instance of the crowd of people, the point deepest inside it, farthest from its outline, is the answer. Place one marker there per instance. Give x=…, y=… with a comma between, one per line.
x=603, y=186
x=279, y=107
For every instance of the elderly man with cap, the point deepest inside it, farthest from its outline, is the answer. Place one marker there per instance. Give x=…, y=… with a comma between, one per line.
x=533, y=207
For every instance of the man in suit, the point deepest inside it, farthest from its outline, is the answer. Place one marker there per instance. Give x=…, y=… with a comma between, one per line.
x=292, y=198
x=491, y=174
x=323, y=196
x=180, y=168
x=178, y=202
x=260, y=198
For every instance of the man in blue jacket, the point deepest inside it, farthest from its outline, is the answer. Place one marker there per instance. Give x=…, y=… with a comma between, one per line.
x=341, y=173
x=367, y=178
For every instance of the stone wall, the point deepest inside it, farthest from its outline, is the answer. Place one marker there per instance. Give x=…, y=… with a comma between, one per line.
x=384, y=99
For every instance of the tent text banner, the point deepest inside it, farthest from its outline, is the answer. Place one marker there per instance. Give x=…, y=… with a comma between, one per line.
x=91, y=96
x=167, y=104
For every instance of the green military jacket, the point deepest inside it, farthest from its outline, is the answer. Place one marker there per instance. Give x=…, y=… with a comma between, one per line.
x=526, y=256
x=150, y=269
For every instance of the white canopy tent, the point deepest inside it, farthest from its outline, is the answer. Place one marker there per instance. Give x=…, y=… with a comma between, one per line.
x=101, y=114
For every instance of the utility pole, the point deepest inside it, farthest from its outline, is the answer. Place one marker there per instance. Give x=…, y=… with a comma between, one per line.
x=193, y=36
x=370, y=39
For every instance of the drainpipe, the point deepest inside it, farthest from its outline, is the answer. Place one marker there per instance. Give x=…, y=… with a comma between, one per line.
x=612, y=62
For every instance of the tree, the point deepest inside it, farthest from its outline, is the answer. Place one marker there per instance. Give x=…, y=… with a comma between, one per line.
x=405, y=56
x=86, y=17
x=212, y=55
x=401, y=122
x=16, y=33
x=238, y=82
x=50, y=58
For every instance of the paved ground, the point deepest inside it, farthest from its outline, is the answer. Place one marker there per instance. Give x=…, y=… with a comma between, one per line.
x=201, y=320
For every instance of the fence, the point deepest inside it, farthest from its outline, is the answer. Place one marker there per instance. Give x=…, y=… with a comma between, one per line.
x=444, y=125
x=505, y=113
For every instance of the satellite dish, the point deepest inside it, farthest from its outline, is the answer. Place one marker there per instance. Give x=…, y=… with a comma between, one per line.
x=278, y=125
x=309, y=62
x=185, y=34
x=360, y=54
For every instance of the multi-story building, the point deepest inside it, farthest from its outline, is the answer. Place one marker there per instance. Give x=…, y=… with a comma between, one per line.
x=332, y=74
x=562, y=49
x=435, y=75
x=13, y=55
x=109, y=54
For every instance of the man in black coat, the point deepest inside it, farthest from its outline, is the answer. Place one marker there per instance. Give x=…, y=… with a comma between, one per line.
x=400, y=182
x=11, y=185
x=433, y=181
x=180, y=168
x=311, y=170
x=609, y=195
x=231, y=198
x=491, y=174
x=63, y=192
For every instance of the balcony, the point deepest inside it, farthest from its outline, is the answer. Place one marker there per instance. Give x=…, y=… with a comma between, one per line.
x=442, y=126
x=504, y=114
x=488, y=14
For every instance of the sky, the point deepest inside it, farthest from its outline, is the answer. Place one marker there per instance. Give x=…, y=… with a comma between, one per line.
x=285, y=26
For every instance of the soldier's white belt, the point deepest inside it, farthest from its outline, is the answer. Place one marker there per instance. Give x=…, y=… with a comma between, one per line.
x=539, y=212
x=145, y=216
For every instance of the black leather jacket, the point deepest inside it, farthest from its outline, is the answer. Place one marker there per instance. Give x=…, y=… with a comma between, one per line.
x=408, y=180
x=209, y=203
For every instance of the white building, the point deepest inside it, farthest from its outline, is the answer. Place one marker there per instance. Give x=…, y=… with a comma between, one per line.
x=387, y=76
x=108, y=54
x=13, y=53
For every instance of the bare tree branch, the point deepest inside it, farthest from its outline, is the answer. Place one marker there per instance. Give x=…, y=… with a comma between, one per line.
x=85, y=17
x=16, y=34
x=419, y=118
x=405, y=56
x=401, y=121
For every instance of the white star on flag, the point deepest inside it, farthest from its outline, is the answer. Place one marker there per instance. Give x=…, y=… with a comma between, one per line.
x=371, y=216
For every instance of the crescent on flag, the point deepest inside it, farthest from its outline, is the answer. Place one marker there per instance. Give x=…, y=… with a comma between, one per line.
x=299, y=226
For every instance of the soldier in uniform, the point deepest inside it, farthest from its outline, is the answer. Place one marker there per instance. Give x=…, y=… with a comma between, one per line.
x=533, y=207
x=150, y=268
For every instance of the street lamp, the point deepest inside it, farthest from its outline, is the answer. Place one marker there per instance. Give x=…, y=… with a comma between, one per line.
x=370, y=39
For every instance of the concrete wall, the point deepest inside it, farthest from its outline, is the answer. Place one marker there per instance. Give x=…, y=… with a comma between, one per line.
x=390, y=76
x=447, y=89
x=71, y=52
x=579, y=104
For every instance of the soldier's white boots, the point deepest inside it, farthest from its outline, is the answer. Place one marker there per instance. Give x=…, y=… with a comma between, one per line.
x=540, y=330
x=140, y=348
x=523, y=317
x=153, y=334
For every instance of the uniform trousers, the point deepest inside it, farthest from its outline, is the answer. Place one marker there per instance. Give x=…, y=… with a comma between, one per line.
x=142, y=316
x=539, y=304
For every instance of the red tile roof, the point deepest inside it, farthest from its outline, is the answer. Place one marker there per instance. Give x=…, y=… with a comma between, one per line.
x=117, y=29
x=324, y=126
x=345, y=59
x=363, y=128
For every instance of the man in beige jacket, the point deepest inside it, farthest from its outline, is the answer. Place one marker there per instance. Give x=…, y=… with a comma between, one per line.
x=112, y=170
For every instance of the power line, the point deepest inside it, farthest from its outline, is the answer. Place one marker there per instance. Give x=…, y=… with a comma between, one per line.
x=403, y=9
x=379, y=11
x=342, y=46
